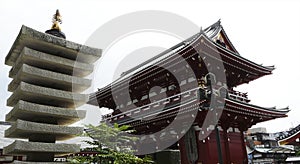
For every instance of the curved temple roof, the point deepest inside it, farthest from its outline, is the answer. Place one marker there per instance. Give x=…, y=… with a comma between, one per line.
x=254, y=110
x=212, y=33
x=289, y=136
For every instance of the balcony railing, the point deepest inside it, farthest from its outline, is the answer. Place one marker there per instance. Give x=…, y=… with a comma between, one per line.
x=169, y=102
x=240, y=96
x=235, y=95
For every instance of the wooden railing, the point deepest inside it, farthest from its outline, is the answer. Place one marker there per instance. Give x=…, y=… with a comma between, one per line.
x=240, y=96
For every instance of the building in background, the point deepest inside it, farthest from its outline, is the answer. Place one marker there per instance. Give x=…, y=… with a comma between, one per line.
x=269, y=148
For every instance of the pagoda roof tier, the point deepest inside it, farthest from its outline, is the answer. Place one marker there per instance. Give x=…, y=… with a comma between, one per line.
x=46, y=43
x=275, y=150
x=263, y=113
x=246, y=115
x=235, y=110
x=289, y=136
x=228, y=53
x=206, y=46
x=226, y=49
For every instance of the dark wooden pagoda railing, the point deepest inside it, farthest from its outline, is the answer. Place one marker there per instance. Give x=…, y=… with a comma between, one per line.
x=169, y=104
x=239, y=96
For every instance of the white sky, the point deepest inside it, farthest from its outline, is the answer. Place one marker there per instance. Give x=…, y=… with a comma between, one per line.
x=266, y=32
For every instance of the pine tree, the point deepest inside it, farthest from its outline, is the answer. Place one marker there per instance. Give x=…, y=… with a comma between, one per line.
x=112, y=144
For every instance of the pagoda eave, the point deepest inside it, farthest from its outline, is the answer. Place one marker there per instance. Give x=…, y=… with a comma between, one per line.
x=238, y=70
x=236, y=111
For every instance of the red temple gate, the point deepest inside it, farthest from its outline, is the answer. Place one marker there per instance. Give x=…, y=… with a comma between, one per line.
x=196, y=81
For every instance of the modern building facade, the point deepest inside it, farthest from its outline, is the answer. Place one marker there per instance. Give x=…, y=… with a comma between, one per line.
x=267, y=148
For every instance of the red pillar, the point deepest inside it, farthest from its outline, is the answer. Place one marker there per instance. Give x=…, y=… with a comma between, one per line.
x=183, y=156
x=245, y=156
x=203, y=150
x=207, y=146
x=227, y=150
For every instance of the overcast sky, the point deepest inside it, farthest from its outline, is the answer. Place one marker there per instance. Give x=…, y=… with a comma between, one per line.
x=266, y=32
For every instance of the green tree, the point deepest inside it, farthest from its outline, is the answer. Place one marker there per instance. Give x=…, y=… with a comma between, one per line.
x=112, y=145
x=298, y=153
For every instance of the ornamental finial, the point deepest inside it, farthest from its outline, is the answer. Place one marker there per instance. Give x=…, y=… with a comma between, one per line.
x=56, y=19
x=55, y=29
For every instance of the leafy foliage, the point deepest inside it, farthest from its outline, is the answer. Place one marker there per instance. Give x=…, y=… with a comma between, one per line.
x=298, y=153
x=111, y=146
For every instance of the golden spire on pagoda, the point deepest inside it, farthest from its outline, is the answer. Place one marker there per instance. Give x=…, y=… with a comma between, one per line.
x=55, y=29
x=56, y=20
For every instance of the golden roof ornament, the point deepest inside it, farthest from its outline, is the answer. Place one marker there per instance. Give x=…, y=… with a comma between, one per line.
x=56, y=19
x=55, y=29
